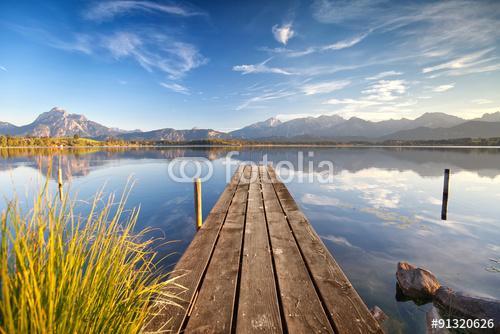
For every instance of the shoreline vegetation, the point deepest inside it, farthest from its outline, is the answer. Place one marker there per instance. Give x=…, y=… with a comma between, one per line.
x=65, y=273
x=77, y=142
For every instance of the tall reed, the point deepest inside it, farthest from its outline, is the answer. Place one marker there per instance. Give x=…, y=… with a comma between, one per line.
x=61, y=273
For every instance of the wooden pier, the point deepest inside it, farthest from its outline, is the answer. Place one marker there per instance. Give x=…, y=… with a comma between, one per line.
x=256, y=265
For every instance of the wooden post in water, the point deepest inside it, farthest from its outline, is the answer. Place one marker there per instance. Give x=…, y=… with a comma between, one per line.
x=197, y=203
x=59, y=180
x=444, y=208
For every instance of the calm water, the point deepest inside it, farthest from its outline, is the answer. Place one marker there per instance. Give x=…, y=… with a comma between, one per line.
x=380, y=206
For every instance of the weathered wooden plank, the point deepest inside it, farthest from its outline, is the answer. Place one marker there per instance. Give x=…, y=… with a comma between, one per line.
x=258, y=309
x=264, y=177
x=346, y=308
x=268, y=191
x=190, y=268
x=214, y=306
x=222, y=204
x=302, y=308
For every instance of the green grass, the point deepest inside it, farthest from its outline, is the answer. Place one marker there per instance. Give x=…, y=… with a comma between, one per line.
x=60, y=273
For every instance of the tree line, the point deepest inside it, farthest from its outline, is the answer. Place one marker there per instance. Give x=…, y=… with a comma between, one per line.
x=75, y=141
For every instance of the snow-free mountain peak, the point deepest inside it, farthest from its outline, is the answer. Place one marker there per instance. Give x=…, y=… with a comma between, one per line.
x=268, y=123
x=437, y=120
x=52, y=114
x=493, y=117
x=272, y=122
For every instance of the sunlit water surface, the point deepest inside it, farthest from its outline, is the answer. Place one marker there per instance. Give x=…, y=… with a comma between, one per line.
x=380, y=206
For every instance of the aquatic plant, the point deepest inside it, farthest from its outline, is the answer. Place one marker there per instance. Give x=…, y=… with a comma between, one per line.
x=64, y=273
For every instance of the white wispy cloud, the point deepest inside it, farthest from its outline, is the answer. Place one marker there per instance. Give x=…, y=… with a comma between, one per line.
x=283, y=33
x=468, y=60
x=379, y=100
x=361, y=103
x=155, y=51
x=344, y=44
x=122, y=44
x=385, y=90
x=433, y=30
x=3, y=68
x=443, y=88
x=81, y=43
x=325, y=69
x=482, y=101
x=175, y=87
x=450, y=23
x=327, y=11
x=324, y=87
x=107, y=10
x=267, y=96
x=260, y=68
x=150, y=47
x=407, y=103
x=453, y=25
x=72, y=42
x=435, y=53
x=450, y=30
x=384, y=75
x=339, y=45
x=480, y=69
x=470, y=70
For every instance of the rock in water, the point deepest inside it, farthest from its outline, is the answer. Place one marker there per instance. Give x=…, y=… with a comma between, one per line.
x=378, y=314
x=416, y=283
x=421, y=285
x=463, y=306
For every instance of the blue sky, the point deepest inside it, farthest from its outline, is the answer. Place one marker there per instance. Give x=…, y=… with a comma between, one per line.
x=216, y=64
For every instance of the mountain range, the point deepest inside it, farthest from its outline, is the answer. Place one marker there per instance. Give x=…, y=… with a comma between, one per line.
x=430, y=126
x=59, y=123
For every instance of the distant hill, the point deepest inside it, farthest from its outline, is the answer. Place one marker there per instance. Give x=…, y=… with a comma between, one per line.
x=257, y=130
x=493, y=117
x=174, y=135
x=436, y=120
x=470, y=129
x=296, y=127
x=7, y=128
x=336, y=127
x=429, y=126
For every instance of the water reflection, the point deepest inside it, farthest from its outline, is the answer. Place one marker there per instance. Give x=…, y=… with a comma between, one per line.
x=78, y=162
x=381, y=206
x=426, y=162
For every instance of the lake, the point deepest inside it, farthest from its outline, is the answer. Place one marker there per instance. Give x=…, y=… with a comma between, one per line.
x=371, y=206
